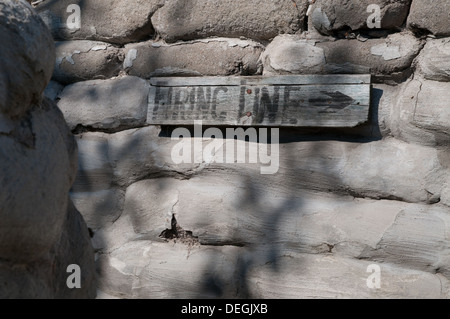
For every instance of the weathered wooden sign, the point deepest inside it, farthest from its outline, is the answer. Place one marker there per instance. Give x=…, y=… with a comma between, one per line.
x=297, y=100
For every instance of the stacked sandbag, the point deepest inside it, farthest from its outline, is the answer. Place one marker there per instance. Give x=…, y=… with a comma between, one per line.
x=41, y=233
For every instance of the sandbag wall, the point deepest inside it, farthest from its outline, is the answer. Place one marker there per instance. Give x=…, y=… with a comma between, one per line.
x=43, y=238
x=343, y=203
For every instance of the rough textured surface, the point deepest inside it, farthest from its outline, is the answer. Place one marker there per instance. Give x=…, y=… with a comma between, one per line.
x=419, y=113
x=86, y=60
x=135, y=154
x=24, y=281
x=267, y=218
x=117, y=21
x=341, y=200
x=290, y=54
x=122, y=158
x=165, y=271
x=335, y=15
x=323, y=243
x=254, y=19
x=26, y=234
x=46, y=277
x=27, y=60
x=434, y=60
x=254, y=235
x=105, y=104
x=305, y=222
x=40, y=225
x=39, y=153
x=99, y=208
x=94, y=169
x=420, y=236
x=419, y=182
x=431, y=110
x=41, y=233
x=324, y=165
x=430, y=16
x=385, y=59
x=321, y=277
x=74, y=247
x=237, y=57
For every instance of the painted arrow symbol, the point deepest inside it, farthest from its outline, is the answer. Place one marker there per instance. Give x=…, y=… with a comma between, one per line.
x=335, y=101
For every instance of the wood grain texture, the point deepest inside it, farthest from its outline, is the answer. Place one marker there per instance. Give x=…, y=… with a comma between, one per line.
x=299, y=101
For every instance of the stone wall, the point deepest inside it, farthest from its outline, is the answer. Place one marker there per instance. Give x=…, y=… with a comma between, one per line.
x=342, y=200
x=41, y=232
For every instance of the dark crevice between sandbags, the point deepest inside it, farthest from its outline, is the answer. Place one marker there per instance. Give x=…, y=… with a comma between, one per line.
x=80, y=129
x=431, y=198
x=419, y=32
x=176, y=232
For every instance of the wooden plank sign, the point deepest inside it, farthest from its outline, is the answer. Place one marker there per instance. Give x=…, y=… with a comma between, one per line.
x=297, y=100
